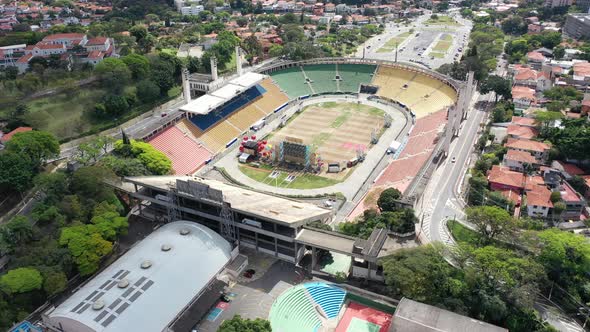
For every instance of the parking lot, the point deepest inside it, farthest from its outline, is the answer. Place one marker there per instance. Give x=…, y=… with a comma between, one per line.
x=420, y=42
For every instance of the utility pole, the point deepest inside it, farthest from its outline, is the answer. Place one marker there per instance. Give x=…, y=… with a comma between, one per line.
x=396, y=52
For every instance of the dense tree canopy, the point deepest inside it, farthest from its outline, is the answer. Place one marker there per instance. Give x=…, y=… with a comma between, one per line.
x=388, y=199
x=38, y=145
x=21, y=280
x=239, y=324
x=86, y=245
x=491, y=221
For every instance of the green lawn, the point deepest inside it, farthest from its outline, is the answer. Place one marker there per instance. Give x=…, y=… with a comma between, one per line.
x=64, y=115
x=442, y=20
x=437, y=55
x=442, y=46
x=390, y=44
x=462, y=234
x=70, y=115
x=306, y=181
x=446, y=37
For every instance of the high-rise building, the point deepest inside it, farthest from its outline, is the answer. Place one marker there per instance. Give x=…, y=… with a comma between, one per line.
x=577, y=26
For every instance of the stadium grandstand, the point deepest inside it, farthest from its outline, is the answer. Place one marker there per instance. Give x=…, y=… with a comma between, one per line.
x=172, y=271
x=322, y=78
x=421, y=93
x=213, y=122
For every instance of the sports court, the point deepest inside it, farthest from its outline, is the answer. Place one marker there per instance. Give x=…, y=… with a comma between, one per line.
x=360, y=318
x=335, y=131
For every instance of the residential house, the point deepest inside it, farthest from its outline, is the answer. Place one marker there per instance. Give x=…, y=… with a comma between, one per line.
x=501, y=178
x=567, y=170
x=539, y=150
x=515, y=160
x=516, y=131
x=574, y=202
x=523, y=97
x=538, y=202
x=536, y=59
x=67, y=39
x=44, y=50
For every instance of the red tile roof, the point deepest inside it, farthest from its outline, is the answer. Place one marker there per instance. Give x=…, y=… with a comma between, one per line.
x=526, y=144
x=25, y=58
x=535, y=56
x=539, y=196
x=521, y=131
x=8, y=136
x=511, y=195
x=520, y=156
x=523, y=92
x=519, y=120
x=571, y=169
x=95, y=55
x=97, y=41
x=65, y=36
x=186, y=155
x=504, y=176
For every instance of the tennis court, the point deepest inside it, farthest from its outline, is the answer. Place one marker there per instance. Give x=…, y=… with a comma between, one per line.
x=360, y=318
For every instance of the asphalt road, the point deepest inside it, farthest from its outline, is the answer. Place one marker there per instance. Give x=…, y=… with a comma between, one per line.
x=442, y=199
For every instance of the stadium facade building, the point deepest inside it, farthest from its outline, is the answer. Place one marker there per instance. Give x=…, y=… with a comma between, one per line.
x=265, y=222
x=173, y=271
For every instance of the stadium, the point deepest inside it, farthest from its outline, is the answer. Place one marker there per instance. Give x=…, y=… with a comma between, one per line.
x=300, y=121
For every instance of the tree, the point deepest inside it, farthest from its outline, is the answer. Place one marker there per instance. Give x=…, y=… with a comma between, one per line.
x=88, y=183
x=163, y=71
x=559, y=52
x=546, y=119
x=497, y=84
x=490, y=221
x=38, y=145
x=21, y=280
x=387, y=199
x=514, y=25
x=124, y=166
x=275, y=50
x=421, y=274
x=14, y=233
x=108, y=221
x=113, y=73
x=138, y=64
x=16, y=171
x=555, y=197
x=86, y=246
x=565, y=256
x=155, y=161
x=242, y=21
x=138, y=31
x=54, y=281
x=148, y=91
x=579, y=184
x=115, y=104
x=239, y=324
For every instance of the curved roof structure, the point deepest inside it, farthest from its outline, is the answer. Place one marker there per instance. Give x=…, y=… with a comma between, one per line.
x=146, y=288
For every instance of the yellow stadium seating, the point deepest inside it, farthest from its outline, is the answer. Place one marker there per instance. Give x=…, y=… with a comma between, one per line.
x=219, y=135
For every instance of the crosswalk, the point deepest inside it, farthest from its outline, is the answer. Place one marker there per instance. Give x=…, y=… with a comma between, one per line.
x=443, y=233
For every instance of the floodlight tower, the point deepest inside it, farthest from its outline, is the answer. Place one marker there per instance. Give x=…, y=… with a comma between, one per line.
x=214, y=68
x=186, y=89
